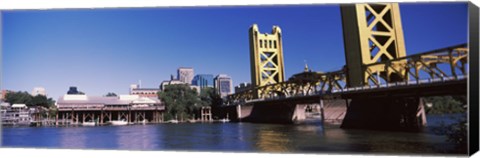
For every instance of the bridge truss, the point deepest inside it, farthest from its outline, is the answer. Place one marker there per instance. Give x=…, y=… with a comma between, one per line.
x=438, y=66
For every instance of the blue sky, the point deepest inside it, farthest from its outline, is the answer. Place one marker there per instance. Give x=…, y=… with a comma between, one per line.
x=106, y=50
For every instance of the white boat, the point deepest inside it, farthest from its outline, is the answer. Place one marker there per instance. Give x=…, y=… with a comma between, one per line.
x=224, y=120
x=88, y=124
x=144, y=121
x=172, y=121
x=119, y=122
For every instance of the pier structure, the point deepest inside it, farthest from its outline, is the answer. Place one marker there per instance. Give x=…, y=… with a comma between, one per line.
x=78, y=109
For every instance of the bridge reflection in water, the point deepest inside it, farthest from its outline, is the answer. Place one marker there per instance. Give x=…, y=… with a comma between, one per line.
x=272, y=141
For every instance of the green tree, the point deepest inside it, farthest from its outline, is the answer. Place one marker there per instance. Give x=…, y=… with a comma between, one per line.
x=18, y=98
x=446, y=104
x=111, y=94
x=456, y=132
x=52, y=111
x=51, y=102
x=180, y=100
x=209, y=97
x=39, y=100
x=29, y=100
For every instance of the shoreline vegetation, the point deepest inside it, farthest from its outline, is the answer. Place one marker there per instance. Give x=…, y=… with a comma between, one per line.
x=456, y=130
x=183, y=103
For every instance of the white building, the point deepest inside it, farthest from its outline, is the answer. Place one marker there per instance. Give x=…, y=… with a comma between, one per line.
x=19, y=106
x=185, y=75
x=134, y=86
x=223, y=85
x=39, y=91
x=75, y=101
x=135, y=89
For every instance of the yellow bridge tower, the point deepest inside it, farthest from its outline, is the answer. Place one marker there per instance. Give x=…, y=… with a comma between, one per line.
x=266, y=57
x=372, y=34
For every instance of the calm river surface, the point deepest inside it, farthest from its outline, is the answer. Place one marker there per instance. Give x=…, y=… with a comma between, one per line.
x=239, y=137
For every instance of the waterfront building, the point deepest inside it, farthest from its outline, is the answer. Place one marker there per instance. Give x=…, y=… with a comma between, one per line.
x=4, y=105
x=206, y=113
x=19, y=106
x=223, y=85
x=185, y=74
x=16, y=114
x=135, y=89
x=101, y=109
x=243, y=87
x=203, y=80
x=39, y=91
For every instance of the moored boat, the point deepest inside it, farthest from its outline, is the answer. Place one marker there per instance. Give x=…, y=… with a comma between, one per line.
x=172, y=121
x=224, y=120
x=119, y=122
x=88, y=124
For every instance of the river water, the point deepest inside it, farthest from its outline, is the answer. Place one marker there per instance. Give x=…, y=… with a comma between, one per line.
x=237, y=137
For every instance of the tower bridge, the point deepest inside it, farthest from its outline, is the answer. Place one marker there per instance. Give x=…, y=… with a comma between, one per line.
x=381, y=86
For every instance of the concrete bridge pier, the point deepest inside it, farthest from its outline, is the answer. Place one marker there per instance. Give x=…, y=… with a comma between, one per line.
x=387, y=113
x=273, y=113
x=265, y=113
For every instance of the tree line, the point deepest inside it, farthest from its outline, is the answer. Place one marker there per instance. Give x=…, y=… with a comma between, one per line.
x=183, y=103
x=29, y=100
x=446, y=104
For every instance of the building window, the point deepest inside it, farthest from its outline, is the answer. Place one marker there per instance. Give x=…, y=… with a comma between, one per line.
x=275, y=44
x=265, y=42
x=269, y=43
x=261, y=43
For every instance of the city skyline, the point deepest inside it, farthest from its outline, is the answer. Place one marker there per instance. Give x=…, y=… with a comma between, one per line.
x=106, y=52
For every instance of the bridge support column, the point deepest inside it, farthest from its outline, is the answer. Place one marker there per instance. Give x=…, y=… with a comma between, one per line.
x=274, y=113
x=388, y=113
x=322, y=114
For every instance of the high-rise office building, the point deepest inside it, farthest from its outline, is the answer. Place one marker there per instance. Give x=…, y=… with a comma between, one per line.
x=203, y=80
x=185, y=75
x=223, y=85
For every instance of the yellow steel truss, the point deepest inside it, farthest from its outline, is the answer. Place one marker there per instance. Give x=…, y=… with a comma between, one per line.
x=447, y=64
x=266, y=57
x=373, y=33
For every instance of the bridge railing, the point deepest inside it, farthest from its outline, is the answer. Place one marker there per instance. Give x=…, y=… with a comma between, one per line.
x=441, y=65
x=434, y=65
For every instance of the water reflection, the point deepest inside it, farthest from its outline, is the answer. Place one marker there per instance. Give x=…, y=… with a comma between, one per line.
x=243, y=137
x=73, y=137
x=137, y=137
x=272, y=140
